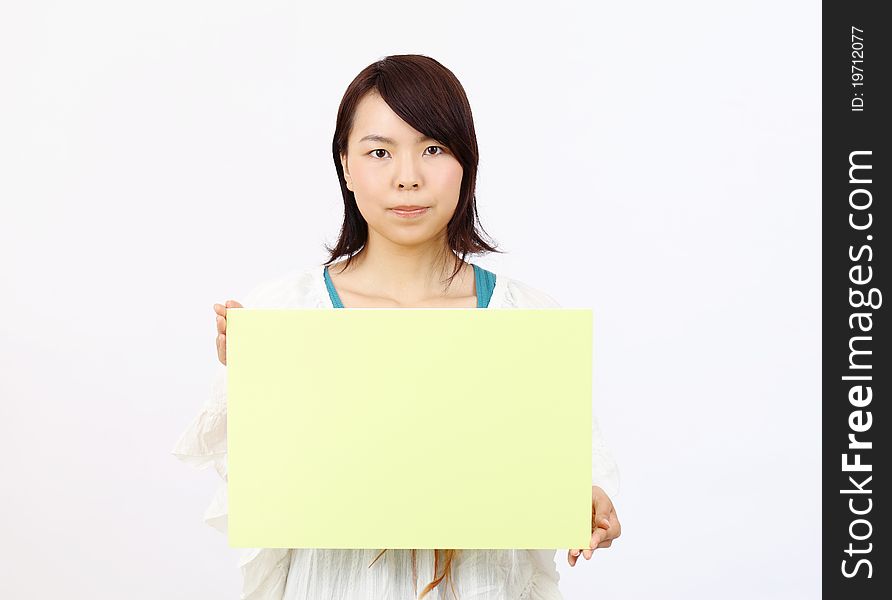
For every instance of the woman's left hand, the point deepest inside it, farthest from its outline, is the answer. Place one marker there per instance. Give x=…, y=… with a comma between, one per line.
x=605, y=526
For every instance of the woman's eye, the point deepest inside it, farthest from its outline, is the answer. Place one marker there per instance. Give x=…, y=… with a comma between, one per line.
x=375, y=152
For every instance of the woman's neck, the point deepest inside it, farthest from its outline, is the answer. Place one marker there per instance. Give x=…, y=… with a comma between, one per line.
x=388, y=270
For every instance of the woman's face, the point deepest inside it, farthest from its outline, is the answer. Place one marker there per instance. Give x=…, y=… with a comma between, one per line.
x=390, y=164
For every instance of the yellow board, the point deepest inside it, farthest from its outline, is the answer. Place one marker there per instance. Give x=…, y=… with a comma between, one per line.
x=409, y=428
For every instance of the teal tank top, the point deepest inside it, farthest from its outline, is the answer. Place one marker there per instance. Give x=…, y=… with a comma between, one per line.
x=484, y=280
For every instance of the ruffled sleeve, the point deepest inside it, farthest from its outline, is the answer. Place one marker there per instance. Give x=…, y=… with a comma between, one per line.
x=517, y=294
x=202, y=445
x=605, y=472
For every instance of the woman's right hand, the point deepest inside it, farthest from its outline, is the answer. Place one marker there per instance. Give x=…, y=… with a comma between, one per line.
x=221, y=327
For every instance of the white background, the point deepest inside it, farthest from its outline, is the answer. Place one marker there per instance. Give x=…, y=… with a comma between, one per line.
x=657, y=162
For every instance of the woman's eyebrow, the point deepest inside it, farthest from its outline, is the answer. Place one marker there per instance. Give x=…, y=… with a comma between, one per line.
x=386, y=140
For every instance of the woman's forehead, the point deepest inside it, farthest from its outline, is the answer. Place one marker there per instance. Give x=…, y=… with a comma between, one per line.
x=375, y=121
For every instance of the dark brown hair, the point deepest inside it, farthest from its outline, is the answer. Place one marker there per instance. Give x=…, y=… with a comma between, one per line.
x=429, y=97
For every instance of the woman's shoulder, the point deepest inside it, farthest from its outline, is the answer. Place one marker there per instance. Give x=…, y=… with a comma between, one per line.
x=511, y=292
x=299, y=287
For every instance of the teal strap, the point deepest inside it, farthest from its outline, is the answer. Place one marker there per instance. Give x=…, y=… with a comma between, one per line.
x=332, y=292
x=486, y=283
x=484, y=280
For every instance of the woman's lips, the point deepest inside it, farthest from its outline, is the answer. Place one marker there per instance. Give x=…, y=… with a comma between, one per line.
x=409, y=214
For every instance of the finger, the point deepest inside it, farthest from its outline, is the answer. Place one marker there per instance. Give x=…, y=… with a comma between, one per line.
x=573, y=556
x=615, y=529
x=220, y=309
x=597, y=538
x=596, y=543
x=221, y=348
x=600, y=527
x=600, y=519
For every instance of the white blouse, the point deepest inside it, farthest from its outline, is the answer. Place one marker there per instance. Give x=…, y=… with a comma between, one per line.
x=343, y=574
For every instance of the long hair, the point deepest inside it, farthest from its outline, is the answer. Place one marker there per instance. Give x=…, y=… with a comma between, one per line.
x=448, y=556
x=429, y=97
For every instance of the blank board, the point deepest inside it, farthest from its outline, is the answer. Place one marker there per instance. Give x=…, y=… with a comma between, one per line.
x=409, y=428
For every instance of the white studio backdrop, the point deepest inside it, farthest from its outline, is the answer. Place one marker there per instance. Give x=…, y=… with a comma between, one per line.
x=657, y=162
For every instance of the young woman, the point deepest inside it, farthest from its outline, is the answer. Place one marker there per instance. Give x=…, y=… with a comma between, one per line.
x=405, y=153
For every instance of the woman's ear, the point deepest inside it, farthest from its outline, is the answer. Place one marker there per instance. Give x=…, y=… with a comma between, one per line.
x=347, y=177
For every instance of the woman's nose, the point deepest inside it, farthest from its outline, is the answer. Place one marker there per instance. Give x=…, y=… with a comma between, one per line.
x=408, y=175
